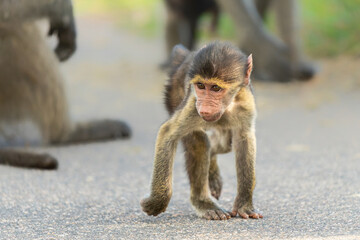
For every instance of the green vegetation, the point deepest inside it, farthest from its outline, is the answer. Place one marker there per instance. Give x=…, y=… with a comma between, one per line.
x=141, y=16
x=329, y=27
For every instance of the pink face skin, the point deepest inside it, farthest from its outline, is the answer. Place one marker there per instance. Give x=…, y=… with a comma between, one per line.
x=209, y=103
x=210, y=98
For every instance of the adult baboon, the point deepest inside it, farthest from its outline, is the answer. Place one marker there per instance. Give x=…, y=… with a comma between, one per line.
x=33, y=107
x=277, y=60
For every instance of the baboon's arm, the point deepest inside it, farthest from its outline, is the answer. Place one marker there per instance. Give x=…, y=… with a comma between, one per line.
x=59, y=13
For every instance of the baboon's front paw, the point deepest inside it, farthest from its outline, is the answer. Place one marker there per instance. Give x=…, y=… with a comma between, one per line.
x=215, y=184
x=215, y=214
x=67, y=39
x=153, y=206
x=246, y=212
x=208, y=209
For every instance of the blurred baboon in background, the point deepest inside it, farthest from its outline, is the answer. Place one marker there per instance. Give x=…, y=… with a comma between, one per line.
x=276, y=59
x=33, y=107
x=182, y=22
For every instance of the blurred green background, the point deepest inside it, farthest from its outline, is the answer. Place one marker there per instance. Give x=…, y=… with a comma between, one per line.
x=329, y=27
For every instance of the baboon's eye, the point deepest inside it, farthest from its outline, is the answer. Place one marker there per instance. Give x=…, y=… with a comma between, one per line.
x=216, y=88
x=200, y=85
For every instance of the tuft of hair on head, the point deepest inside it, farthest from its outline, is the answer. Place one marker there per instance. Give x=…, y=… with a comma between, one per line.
x=220, y=60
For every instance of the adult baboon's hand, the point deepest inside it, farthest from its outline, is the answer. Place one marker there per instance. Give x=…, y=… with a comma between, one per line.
x=63, y=25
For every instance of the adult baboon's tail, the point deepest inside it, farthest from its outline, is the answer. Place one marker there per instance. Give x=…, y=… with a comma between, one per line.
x=28, y=160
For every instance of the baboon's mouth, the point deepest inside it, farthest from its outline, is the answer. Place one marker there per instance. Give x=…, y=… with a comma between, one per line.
x=212, y=118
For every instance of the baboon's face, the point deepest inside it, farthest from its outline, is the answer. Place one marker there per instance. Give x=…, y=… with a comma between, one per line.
x=217, y=73
x=211, y=99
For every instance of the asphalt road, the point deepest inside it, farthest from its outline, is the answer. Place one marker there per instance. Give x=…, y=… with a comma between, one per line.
x=308, y=161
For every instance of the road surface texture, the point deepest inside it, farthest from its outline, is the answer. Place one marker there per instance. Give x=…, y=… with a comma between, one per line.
x=308, y=161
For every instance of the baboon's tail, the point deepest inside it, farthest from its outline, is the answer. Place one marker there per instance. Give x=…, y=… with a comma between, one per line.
x=27, y=160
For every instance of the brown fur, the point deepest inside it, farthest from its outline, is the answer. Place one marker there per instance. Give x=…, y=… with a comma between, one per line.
x=33, y=106
x=234, y=129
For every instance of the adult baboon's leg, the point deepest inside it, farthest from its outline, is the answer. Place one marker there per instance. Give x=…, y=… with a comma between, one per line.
x=262, y=7
x=270, y=53
x=288, y=23
x=187, y=32
x=171, y=31
x=179, y=30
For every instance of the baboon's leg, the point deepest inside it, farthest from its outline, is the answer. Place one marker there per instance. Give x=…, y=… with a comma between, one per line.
x=270, y=53
x=27, y=160
x=161, y=183
x=172, y=31
x=197, y=155
x=215, y=12
x=245, y=153
x=99, y=130
x=220, y=142
x=262, y=7
x=288, y=23
x=188, y=31
x=179, y=30
x=215, y=180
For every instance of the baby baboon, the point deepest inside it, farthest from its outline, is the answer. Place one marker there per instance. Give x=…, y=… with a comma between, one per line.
x=208, y=90
x=33, y=107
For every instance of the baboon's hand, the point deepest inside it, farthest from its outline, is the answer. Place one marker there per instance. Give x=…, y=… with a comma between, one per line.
x=245, y=211
x=154, y=206
x=62, y=24
x=66, y=33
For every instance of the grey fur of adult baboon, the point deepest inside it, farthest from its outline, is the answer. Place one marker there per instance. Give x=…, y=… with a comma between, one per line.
x=33, y=106
x=277, y=59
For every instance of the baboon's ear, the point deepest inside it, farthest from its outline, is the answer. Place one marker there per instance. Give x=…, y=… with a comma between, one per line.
x=178, y=55
x=249, y=67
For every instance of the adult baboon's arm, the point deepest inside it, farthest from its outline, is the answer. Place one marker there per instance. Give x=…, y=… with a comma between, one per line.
x=59, y=13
